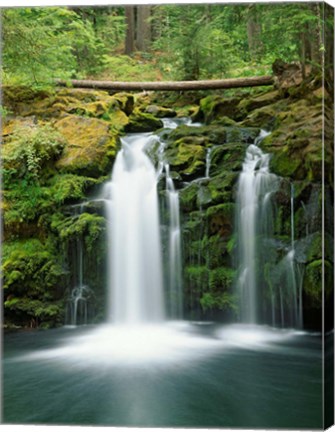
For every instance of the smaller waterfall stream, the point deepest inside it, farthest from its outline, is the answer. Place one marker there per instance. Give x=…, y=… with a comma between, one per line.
x=175, y=267
x=208, y=161
x=78, y=301
x=254, y=221
x=262, y=281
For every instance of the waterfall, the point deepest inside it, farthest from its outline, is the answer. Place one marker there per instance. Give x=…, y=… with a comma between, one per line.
x=135, y=282
x=294, y=273
x=254, y=223
x=175, y=266
x=208, y=162
x=78, y=301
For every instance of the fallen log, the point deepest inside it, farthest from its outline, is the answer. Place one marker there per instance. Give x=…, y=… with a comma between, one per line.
x=171, y=85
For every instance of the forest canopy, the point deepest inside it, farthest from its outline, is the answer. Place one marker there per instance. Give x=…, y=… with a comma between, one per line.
x=157, y=42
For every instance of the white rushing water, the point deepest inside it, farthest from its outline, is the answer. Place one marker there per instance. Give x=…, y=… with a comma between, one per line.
x=135, y=281
x=78, y=307
x=175, y=262
x=254, y=219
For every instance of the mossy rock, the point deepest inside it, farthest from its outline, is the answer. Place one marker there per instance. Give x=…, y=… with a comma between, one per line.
x=313, y=282
x=187, y=157
x=216, y=107
x=142, y=122
x=126, y=102
x=220, y=219
x=264, y=118
x=250, y=104
x=10, y=125
x=90, y=149
x=205, y=134
x=227, y=157
x=160, y=112
x=296, y=142
x=283, y=164
x=224, y=121
x=221, y=187
x=18, y=98
x=118, y=120
x=188, y=198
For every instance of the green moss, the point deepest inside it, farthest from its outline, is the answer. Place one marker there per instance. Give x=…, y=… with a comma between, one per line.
x=187, y=158
x=142, y=122
x=86, y=225
x=221, y=187
x=32, y=275
x=160, y=112
x=220, y=219
x=65, y=187
x=250, y=104
x=91, y=146
x=313, y=283
x=216, y=107
x=283, y=164
x=28, y=152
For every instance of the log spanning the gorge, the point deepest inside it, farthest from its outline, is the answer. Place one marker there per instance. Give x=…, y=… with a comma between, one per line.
x=171, y=85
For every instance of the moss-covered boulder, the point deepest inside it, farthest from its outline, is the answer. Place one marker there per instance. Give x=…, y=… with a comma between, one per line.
x=296, y=142
x=220, y=219
x=91, y=146
x=160, y=112
x=187, y=157
x=313, y=283
x=142, y=122
x=252, y=103
x=215, y=107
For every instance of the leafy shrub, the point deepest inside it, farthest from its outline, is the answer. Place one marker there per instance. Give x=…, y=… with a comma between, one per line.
x=86, y=225
x=28, y=151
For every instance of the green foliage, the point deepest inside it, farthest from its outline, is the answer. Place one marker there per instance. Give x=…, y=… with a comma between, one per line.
x=221, y=278
x=197, y=277
x=64, y=187
x=125, y=68
x=28, y=151
x=40, y=313
x=85, y=225
x=222, y=301
x=187, y=42
x=30, y=267
x=45, y=43
x=25, y=201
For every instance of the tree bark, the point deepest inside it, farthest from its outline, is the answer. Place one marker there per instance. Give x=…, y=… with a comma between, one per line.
x=254, y=33
x=130, y=33
x=143, y=27
x=172, y=85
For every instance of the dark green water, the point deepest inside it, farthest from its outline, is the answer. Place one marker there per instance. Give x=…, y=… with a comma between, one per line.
x=192, y=376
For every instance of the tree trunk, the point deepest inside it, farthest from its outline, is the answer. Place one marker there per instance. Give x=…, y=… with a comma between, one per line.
x=130, y=33
x=254, y=33
x=143, y=27
x=172, y=85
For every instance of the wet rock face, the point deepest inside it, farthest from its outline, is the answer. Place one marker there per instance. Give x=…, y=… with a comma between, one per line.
x=294, y=117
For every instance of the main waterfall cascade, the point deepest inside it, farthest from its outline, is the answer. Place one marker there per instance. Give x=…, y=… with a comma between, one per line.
x=136, y=273
x=135, y=261
x=257, y=289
